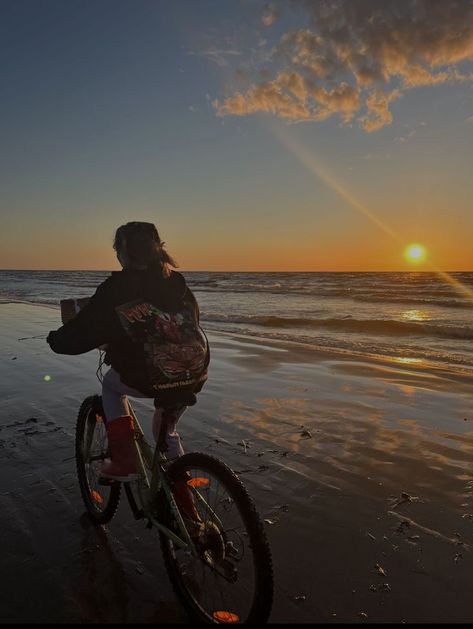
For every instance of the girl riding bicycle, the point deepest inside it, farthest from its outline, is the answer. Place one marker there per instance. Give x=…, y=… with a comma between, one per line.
x=148, y=318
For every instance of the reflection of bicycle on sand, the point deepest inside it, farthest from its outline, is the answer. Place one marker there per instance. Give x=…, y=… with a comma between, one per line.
x=221, y=570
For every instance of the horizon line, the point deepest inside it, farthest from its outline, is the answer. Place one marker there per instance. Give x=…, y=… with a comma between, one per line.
x=243, y=271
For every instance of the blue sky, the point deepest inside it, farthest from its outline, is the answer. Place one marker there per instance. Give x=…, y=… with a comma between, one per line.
x=109, y=113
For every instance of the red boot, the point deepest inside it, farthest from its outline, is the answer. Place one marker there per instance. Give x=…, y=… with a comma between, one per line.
x=122, y=467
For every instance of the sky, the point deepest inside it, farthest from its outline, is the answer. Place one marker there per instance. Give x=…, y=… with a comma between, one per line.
x=292, y=135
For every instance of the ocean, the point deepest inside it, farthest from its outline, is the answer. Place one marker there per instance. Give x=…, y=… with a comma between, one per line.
x=414, y=318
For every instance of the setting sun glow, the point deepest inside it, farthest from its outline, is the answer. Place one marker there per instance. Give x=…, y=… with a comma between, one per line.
x=415, y=253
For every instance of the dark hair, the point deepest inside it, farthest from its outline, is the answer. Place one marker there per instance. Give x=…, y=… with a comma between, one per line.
x=140, y=247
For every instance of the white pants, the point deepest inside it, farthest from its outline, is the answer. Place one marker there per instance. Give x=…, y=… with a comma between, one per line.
x=115, y=404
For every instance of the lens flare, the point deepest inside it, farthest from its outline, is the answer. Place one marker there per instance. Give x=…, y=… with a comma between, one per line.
x=418, y=252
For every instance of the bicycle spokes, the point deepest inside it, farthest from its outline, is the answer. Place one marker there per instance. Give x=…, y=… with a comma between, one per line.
x=92, y=450
x=220, y=576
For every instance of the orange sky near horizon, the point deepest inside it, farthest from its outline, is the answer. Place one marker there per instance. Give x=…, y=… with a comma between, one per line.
x=376, y=253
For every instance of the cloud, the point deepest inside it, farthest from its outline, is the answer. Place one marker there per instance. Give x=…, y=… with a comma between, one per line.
x=405, y=138
x=217, y=55
x=378, y=114
x=354, y=58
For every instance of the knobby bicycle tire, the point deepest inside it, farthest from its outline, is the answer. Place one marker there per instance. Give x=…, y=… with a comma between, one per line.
x=87, y=415
x=254, y=530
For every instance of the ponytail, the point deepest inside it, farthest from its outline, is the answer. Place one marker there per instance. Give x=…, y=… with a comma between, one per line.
x=165, y=261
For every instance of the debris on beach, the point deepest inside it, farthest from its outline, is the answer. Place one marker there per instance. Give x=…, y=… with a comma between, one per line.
x=371, y=536
x=299, y=598
x=224, y=441
x=263, y=452
x=363, y=615
x=306, y=433
x=380, y=570
x=269, y=521
x=413, y=538
x=457, y=558
x=382, y=587
x=385, y=587
x=404, y=498
x=405, y=524
x=283, y=508
x=458, y=541
x=245, y=444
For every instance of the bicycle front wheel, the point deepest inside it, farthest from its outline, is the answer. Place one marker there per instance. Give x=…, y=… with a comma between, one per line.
x=91, y=451
x=230, y=579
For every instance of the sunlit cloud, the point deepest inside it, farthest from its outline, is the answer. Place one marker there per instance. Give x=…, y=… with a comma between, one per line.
x=354, y=58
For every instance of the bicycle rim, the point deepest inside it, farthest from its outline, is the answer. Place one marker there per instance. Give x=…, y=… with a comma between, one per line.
x=230, y=580
x=91, y=451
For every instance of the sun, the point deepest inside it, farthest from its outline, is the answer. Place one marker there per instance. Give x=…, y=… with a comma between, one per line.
x=415, y=253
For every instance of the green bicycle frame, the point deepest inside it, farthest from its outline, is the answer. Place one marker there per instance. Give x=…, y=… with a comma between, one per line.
x=156, y=462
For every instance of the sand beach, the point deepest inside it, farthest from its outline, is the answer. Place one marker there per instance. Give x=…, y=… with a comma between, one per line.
x=362, y=470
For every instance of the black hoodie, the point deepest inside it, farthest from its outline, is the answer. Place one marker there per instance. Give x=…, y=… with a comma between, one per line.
x=134, y=313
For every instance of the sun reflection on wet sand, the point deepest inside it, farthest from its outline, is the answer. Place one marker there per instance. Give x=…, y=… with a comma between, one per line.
x=404, y=360
x=415, y=315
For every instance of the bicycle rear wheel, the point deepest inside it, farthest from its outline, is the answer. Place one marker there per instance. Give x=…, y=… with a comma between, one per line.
x=231, y=578
x=91, y=450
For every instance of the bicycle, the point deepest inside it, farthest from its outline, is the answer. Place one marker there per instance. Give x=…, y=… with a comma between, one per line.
x=221, y=574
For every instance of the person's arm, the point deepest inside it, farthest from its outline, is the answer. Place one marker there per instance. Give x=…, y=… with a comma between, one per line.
x=89, y=329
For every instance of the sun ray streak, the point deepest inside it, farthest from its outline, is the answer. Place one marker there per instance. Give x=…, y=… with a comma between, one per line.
x=307, y=159
x=461, y=288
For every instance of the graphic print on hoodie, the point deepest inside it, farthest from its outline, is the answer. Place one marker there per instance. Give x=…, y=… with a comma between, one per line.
x=174, y=345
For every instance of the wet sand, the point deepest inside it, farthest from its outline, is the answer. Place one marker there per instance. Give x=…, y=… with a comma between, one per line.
x=363, y=471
